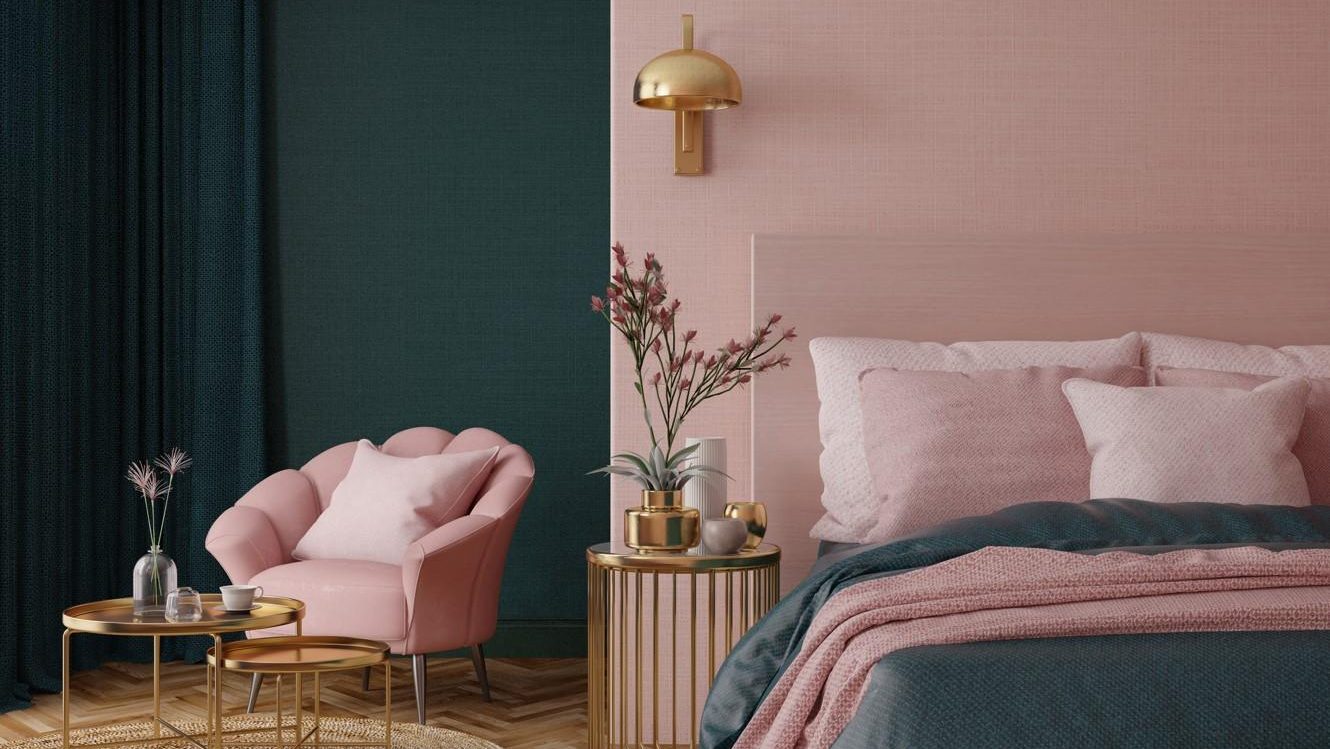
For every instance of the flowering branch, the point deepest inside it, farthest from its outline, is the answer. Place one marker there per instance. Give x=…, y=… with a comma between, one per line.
x=680, y=375
x=155, y=488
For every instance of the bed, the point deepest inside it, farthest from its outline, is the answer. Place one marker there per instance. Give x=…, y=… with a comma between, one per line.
x=1216, y=633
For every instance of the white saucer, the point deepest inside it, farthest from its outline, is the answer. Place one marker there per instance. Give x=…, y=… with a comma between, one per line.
x=240, y=611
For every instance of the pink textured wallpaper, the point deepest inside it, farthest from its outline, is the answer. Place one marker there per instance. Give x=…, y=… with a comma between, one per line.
x=962, y=116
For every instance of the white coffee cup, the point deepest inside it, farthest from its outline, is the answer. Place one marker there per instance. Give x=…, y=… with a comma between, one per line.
x=240, y=597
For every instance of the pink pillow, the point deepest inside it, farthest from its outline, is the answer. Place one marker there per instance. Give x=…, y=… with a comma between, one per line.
x=848, y=494
x=1313, y=445
x=1164, y=350
x=386, y=502
x=1190, y=444
x=945, y=445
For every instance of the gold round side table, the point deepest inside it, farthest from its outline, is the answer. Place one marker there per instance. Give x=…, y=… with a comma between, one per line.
x=116, y=617
x=658, y=627
x=298, y=656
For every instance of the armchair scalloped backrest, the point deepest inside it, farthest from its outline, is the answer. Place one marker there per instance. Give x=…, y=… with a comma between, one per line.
x=263, y=527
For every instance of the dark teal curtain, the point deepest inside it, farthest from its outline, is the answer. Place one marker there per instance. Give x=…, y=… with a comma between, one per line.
x=131, y=301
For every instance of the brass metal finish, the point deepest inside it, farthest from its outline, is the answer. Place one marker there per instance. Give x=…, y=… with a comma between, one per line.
x=626, y=709
x=290, y=655
x=116, y=617
x=297, y=656
x=754, y=515
x=662, y=523
x=688, y=82
x=607, y=555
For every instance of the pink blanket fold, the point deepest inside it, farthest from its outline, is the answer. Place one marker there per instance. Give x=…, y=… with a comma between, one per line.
x=1003, y=593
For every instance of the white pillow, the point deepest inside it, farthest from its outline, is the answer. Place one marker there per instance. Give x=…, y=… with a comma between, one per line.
x=1193, y=444
x=386, y=502
x=848, y=495
x=1189, y=352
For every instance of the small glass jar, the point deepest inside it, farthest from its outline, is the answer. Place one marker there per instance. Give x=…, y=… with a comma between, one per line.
x=184, y=605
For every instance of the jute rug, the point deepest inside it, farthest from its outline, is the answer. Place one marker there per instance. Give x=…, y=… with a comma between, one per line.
x=405, y=735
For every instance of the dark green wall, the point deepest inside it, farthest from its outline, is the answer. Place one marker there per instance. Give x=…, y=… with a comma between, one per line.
x=437, y=208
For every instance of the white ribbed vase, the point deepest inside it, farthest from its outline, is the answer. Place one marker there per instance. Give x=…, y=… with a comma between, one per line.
x=707, y=493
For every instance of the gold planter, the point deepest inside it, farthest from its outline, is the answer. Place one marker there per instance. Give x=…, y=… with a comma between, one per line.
x=754, y=515
x=662, y=523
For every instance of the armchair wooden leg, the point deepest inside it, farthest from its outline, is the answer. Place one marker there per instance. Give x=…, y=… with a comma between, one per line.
x=364, y=679
x=419, y=675
x=478, y=658
x=255, y=684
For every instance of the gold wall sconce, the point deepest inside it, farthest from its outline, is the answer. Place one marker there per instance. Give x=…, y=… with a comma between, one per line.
x=687, y=82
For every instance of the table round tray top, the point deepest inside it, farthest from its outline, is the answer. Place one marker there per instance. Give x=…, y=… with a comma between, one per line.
x=116, y=616
x=608, y=555
x=300, y=654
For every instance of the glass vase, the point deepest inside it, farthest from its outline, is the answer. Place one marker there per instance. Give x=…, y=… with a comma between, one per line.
x=154, y=579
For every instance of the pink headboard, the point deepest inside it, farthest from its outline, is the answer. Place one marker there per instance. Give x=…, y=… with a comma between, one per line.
x=1271, y=290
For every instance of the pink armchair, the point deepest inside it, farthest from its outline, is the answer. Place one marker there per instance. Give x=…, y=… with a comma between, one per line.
x=444, y=594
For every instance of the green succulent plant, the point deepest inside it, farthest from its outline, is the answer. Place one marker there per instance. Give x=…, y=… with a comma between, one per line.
x=657, y=471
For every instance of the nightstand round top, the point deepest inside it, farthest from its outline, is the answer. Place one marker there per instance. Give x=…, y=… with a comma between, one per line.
x=614, y=555
x=116, y=617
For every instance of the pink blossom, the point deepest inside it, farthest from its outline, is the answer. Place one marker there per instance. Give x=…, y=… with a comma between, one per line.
x=173, y=461
x=685, y=384
x=655, y=346
x=775, y=318
x=655, y=379
x=745, y=379
x=689, y=336
x=597, y=304
x=788, y=335
x=620, y=256
x=145, y=480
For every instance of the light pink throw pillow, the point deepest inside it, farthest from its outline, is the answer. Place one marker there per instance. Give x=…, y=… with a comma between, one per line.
x=1191, y=444
x=946, y=445
x=386, y=502
x=848, y=495
x=1313, y=445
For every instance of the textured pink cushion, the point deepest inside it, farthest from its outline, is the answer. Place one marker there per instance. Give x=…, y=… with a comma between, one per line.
x=945, y=445
x=342, y=596
x=1185, y=444
x=1180, y=351
x=848, y=494
x=386, y=502
x=1313, y=445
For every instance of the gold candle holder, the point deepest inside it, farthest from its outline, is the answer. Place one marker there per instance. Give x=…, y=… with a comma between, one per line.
x=754, y=515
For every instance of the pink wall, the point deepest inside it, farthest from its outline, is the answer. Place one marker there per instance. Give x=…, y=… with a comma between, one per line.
x=962, y=116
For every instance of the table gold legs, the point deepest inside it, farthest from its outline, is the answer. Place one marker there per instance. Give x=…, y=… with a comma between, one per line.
x=157, y=686
x=387, y=703
x=64, y=685
x=215, y=737
x=318, y=709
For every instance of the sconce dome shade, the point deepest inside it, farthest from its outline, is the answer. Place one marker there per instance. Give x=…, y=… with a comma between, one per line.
x=687, y=80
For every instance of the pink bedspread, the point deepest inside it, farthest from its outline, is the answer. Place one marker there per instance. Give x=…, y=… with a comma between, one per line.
x=1004, y=593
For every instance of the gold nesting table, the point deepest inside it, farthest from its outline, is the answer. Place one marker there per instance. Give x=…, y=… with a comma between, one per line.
x=116, y=617
x=658, y=627
x=297, y=656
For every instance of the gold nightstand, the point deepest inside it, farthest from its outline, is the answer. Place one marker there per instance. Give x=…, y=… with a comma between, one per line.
x=680, y=611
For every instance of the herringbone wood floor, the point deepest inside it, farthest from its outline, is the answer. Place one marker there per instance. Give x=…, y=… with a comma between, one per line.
x=538, y=703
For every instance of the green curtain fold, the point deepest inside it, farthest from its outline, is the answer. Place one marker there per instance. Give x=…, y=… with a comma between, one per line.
x=130, y=301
